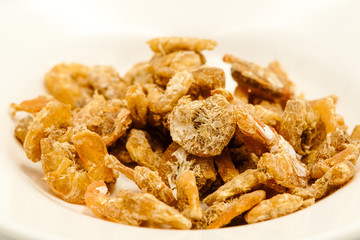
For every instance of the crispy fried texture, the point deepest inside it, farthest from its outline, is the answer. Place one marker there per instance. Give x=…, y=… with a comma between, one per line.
x=270, y=83
x=188, y=200
x=140, y=150
x=350, y=153
x=178, y=160
x=333, y=144
x=150, y=181
x=225, y=165
x=177, y=87
x=325, y=111
x=336, y=176
x=284, y=169
x=277, y=206
x=203, y=127
x=107, y=82
x=108, y=118
x=298, y=125
x=206, y=79
x=92, y=151
x=137, y=103
x=236, y=208
x=32, y=105
x=203, y=157
x=276, y=153
x=132, y=208
x=240, y=184
x=53, y=116
x=267, y=116
x=166, y=66
x=61, y=172
x=68, y=84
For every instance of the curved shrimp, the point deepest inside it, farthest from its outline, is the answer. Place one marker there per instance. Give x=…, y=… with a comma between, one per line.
x=137, y=104
x=270, y=83
x=54, y=115
x=280, y=162
x=177, y=87
x=68, y=84
x=108, y=118
x=166, y=66
x=61, y=171
x=92, y=152
x=75, y=84
x=335, y=177
x=61, y=159
x=132, y=208
x=51, y=138
x=174, y=54
x=197, y=83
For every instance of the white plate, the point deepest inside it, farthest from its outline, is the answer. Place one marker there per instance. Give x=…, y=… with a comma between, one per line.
x=317, y=43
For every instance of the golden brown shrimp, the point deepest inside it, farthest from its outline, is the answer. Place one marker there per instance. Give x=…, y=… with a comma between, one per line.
x=178, y=160
x=267, y=116
x=147, y=180
x=61, y=171
x=132, y=208
x=69, y=169
x=350, y=153
x=108, y=118
x=206, y=79
x=298, y=125
x=260, y=138
x=92, y=152
x=270, y=83
x=32, y=105
x=336, y=147
x=325, y=112
x=166, y=66
x=177, y=87
x=137, y=103
x=141, y=152
x=335, y=177
x=237, y=207
x=106, y=81
x=277, y=206
x=68, y=84
x=188, y=200
x=54, y=115
x=242, y=183
x=75, y=84
x=203, y=127
x=225, y=165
